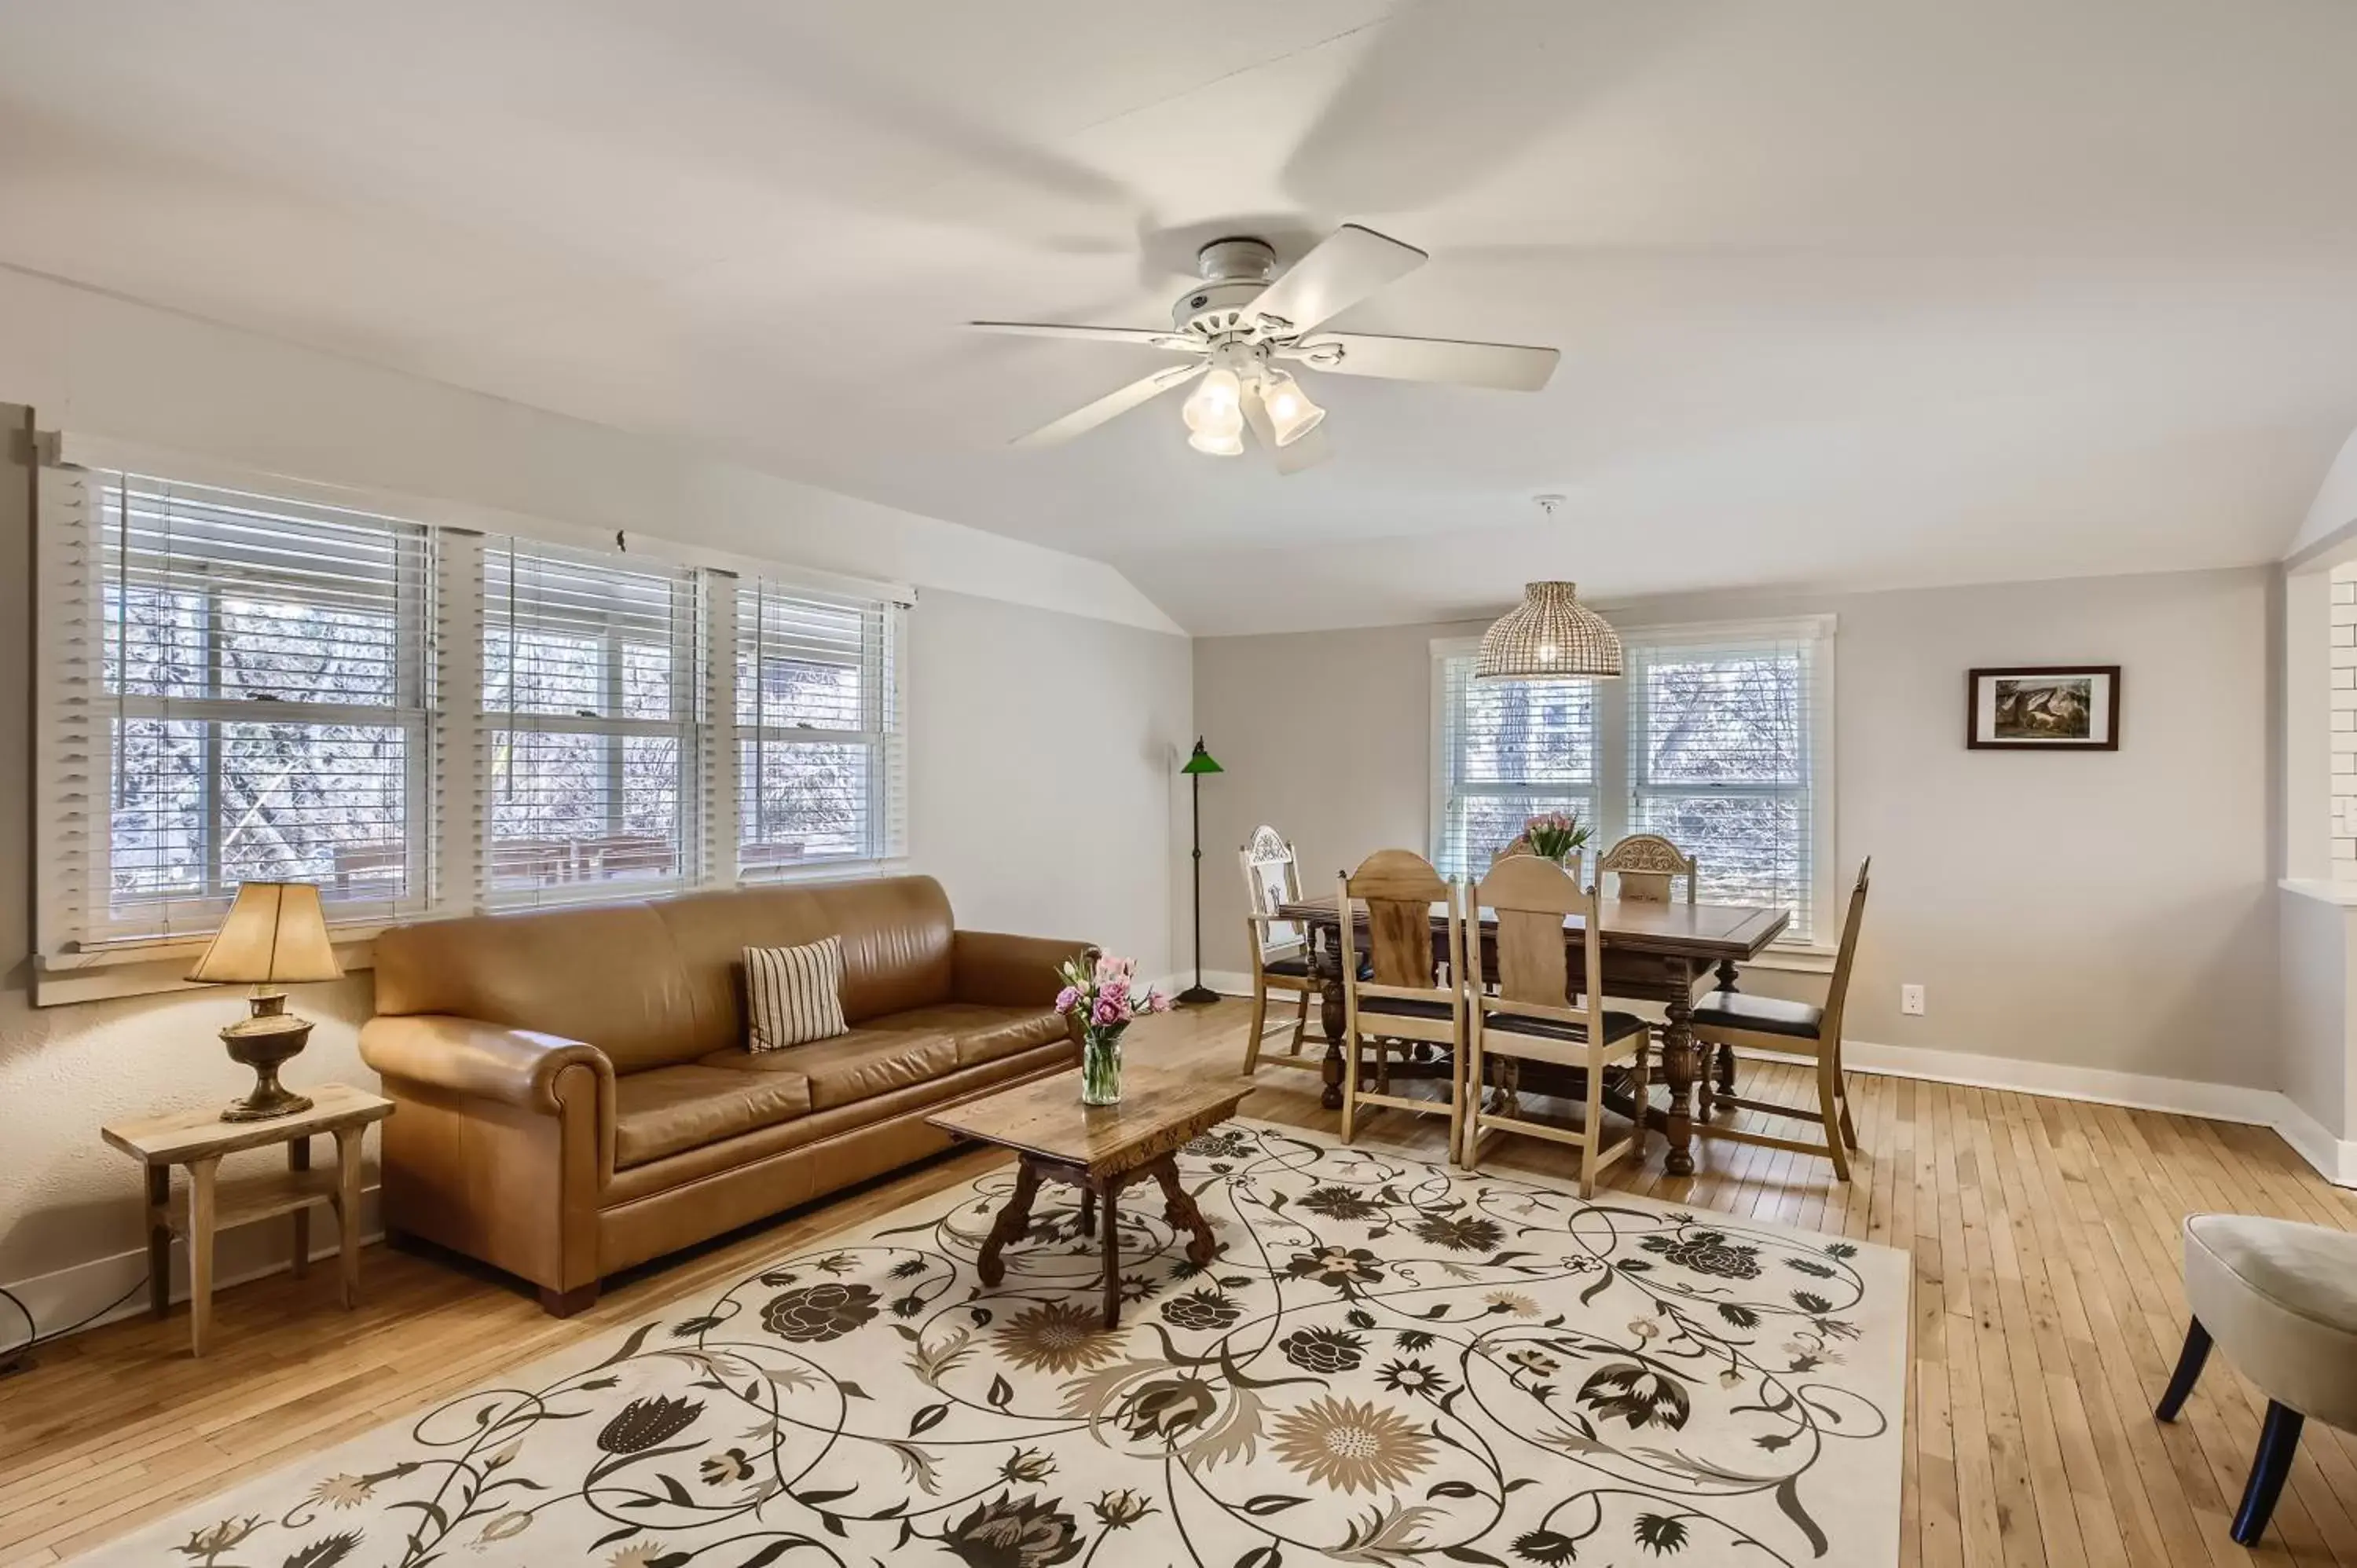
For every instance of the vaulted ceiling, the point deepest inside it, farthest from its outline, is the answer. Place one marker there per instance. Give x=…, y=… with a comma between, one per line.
x=1853, y=292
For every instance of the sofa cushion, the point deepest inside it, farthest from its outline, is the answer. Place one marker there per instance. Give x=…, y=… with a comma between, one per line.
x=668, y=1108
x=984, y=1033
x=870, y=1060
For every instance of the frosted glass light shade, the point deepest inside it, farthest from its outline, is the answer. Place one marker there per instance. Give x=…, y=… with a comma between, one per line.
x=1549, y=634
x=1216, y=406
x=276, y=934
x=1291, y=414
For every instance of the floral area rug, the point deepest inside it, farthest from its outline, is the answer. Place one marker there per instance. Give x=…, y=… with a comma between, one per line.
x=1389, y=1362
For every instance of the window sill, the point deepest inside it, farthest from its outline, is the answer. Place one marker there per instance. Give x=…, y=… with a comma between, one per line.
x=2320, y=889
x=1795, y=959
x=153, y=969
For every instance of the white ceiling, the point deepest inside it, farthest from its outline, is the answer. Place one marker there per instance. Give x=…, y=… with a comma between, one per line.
x=1850, y=293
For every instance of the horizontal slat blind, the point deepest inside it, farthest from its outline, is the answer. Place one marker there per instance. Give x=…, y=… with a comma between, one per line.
x=592, y=707
x=260, y=690
x=1505, y=751
x=820, y=742
x=1720, y=738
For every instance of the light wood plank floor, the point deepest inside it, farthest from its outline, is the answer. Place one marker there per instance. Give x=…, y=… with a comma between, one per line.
x=2047, y=1316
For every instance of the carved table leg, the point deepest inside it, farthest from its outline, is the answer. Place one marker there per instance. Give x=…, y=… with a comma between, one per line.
x=1678, y=1066
x=1112, y=1254
x=1179, y=1209
x=1013, y=1222
x=1727, y=977
x=1326, y=969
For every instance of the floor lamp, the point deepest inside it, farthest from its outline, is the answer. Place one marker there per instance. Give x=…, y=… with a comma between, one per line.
x=1198, y=764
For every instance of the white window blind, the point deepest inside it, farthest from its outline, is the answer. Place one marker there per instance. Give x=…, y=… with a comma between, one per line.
x=1721, y=761
x=592, y=725
x=1505, y=751
x=820, y=747
x=240, y=688
x=1717, y=738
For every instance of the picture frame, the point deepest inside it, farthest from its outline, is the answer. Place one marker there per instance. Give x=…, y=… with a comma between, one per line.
x=2042, y=707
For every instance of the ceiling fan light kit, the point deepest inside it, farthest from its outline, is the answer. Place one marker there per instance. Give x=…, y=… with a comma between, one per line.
x=1244, y=321
x=1549, y=636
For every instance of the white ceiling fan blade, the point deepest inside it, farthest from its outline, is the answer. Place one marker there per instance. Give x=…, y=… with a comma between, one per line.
x=1087, y=418
x=1341, y=270
x=1142, y=335
x=1509, y=367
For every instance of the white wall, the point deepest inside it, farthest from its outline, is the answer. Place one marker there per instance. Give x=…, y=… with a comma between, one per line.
x=1011, y=647
x=2106, y=910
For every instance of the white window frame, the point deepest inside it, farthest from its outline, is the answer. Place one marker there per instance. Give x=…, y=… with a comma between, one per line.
x=1615, y=786
x=79, y=958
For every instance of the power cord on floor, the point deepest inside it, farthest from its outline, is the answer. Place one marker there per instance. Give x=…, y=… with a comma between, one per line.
x=15, y=1359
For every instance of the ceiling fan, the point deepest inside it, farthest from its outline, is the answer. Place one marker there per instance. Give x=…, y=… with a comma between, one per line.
x=1244, y=324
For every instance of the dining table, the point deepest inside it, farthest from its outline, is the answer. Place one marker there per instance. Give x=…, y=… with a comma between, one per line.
x=1654, y=950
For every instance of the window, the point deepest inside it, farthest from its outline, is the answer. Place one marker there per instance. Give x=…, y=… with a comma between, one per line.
x=590, y=710
x=421, y=720
x=261, y=686
x=819, y=754
x=1715, y=738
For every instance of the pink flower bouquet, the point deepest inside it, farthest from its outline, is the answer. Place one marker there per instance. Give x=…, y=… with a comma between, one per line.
x=1105, y=1000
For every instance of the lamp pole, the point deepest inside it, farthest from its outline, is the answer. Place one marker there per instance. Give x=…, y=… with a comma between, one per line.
x=1198, y=763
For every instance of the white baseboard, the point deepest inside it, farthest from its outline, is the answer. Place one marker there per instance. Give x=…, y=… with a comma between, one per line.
x=2335, y=1159
x=246, y=1252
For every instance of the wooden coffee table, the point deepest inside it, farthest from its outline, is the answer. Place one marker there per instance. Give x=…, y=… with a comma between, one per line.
x=1099, y=1149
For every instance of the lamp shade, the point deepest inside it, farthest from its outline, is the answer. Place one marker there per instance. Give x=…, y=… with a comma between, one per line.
x=1549, y=634
x=1199, y=761
x=275, y=933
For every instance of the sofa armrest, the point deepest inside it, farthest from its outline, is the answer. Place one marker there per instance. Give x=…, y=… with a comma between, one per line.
x=1004, y=971
x=487, y=1061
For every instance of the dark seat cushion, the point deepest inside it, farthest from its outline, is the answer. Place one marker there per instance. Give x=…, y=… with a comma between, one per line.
x=1761, y=1015
x=1404, y=1006
x=1298, y=968
x=1617, y=1026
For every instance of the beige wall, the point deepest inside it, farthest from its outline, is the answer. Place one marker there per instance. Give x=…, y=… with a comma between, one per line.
x=2111, y=910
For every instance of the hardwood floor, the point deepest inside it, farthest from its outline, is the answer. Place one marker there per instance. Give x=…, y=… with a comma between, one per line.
x=2047, y=1316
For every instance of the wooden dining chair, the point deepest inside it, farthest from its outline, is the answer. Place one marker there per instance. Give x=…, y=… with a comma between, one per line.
x=1532, y=1016
x=1408, y=993
x=1729, y=1019
x=1644, y=864
x=1280, y=948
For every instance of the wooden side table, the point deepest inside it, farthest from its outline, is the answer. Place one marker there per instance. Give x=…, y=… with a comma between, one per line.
x=198, y=1139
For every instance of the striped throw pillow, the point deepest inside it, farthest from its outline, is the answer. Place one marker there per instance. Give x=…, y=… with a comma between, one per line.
x=795, y=995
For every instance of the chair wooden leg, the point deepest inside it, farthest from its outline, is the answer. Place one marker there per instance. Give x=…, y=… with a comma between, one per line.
x=1468, y=1143
x=1848, y=1128
x=1592, y=1133
x=2190, y=1362
x=2278, y=1441
x=1829, y=1109
x=1640, y=1089
x=1301, y=1024
x=1259, y=1018
x=1350, y=1083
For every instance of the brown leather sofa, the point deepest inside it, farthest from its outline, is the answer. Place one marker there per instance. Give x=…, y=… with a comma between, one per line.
x=576, y=1095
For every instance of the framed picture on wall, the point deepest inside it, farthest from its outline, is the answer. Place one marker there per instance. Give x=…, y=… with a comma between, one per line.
x=2043, y=707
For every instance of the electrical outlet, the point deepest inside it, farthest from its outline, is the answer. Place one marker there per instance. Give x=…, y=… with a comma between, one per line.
x=1911, y=1000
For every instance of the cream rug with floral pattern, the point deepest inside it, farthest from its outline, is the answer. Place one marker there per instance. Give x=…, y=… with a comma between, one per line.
x=1391, y=1362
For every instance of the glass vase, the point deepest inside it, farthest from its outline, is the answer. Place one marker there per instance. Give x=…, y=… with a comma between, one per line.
x=1101, y=1066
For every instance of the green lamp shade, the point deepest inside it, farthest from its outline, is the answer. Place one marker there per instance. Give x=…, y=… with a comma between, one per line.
x=1200, y=761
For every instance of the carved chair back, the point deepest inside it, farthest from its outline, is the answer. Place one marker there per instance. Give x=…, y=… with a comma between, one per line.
x=1272, y=879
x=1646, y=864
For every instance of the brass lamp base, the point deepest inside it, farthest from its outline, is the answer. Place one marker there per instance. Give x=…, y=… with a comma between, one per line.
x=265, y=1041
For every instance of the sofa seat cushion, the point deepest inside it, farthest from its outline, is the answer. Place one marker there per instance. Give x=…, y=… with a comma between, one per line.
x=984, y=1033
x=875, y=1059
x=666, y=1110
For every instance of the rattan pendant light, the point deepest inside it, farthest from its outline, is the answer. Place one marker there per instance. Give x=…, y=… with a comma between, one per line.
x=1550, y=634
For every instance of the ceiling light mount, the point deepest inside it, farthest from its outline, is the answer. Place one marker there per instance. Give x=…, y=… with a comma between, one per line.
x=1549, y=505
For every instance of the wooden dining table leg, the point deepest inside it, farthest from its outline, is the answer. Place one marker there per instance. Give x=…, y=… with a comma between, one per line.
x=1727, y=977
x=1326, y=971
x=1679, y=1066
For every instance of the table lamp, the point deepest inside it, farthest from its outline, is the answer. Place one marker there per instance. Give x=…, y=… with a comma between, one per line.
x=275, y=933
